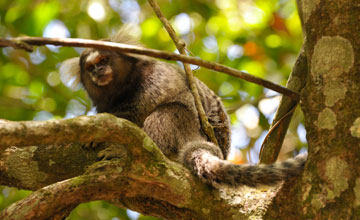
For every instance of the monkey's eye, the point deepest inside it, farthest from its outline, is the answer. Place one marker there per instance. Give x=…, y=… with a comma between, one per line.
x=103, y=60
x=90, y=68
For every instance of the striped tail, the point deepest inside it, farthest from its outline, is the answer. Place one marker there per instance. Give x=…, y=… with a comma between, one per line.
x=215, y=171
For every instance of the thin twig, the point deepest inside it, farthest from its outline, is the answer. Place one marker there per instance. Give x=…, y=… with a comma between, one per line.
x=106, y=45
x=272, y=143
x=274, y=126
x=180, y=45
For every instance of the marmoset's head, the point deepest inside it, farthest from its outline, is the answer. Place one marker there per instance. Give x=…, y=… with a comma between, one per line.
x=100, y=70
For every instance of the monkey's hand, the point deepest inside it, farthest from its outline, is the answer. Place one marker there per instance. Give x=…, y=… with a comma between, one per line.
x=112, y=151
x=92, y=145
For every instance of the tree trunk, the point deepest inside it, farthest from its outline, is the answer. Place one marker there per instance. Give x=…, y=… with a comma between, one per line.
x=330, y=185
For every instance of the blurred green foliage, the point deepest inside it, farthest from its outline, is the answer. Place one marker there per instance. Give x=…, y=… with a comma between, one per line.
x=260, y=37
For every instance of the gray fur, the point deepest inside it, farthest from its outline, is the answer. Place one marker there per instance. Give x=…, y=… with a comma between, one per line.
x=155, y=96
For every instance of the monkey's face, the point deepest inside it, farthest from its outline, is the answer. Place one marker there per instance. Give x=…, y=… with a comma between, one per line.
x=104, y=73
x=97, y=67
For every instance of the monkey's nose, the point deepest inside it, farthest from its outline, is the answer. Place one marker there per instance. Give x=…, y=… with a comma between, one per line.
x=100, y=69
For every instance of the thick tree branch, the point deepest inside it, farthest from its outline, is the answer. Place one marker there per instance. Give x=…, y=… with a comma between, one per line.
x=155, y=53
x=181, y=46
x=35, y=167
x=139, y=177
x=83, y=129
x=109, y=180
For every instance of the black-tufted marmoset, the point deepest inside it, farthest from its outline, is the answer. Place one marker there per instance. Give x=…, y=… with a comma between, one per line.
x=155, y=96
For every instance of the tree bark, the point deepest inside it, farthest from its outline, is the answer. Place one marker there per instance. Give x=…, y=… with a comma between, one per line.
x=135, y=174
x=330, y=185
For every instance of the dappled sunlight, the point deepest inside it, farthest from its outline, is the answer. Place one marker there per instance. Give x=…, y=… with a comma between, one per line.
x=96, y=10
x=183, y=23
x=248, y=115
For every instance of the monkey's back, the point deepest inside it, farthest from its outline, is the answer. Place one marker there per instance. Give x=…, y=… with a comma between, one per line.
x=167, y=83
x=217, y=116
